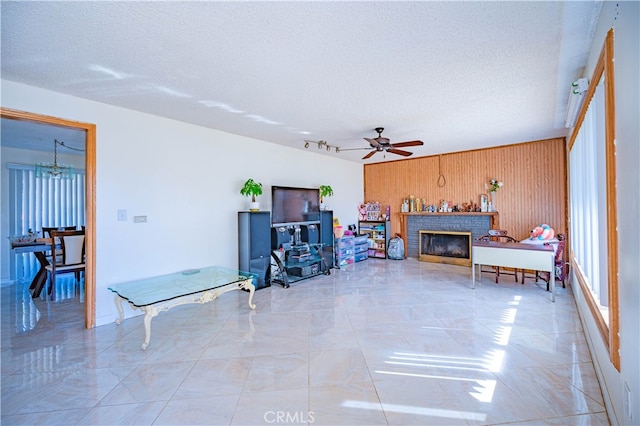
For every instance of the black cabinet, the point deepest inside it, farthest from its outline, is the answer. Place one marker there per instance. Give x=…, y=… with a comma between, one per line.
x=254, y=245
x=326, y=236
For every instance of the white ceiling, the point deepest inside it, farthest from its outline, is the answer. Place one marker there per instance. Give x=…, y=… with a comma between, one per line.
x=457, y=75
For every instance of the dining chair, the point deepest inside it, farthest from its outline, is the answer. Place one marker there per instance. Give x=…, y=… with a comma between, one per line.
x=72, y=247
x=46, y=230
x=46, y=233
x=499, y=235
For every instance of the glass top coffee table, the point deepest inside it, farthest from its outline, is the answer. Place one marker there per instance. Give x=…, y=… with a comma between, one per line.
x=157, y=294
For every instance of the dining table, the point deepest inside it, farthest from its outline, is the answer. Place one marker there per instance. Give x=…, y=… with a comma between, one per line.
x=39, y=247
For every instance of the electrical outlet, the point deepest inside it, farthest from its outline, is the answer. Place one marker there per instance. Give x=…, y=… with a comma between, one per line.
x=122, y=215
x=139, y=219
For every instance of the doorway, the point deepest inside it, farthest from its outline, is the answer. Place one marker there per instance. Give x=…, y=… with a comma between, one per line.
x=90, y=167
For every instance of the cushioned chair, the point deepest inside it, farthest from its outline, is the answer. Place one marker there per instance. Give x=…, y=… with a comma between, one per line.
x=560, y=264
x=499, y=235
x=72, y=248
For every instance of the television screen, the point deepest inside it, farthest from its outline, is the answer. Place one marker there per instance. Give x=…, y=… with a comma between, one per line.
x=291, y=206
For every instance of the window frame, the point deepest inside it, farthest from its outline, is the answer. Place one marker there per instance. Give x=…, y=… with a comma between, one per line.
x=609, y=330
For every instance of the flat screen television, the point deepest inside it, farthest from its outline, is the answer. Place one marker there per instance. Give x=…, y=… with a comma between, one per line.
x=294, y=206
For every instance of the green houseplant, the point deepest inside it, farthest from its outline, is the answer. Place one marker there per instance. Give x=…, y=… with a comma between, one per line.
x=252, y=189
x=325, y=191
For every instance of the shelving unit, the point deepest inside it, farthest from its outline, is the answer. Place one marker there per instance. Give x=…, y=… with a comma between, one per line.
x=378, y=235
x=344, y=251
x=360, y=248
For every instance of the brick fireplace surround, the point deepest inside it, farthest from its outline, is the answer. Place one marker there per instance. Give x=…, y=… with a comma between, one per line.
x=412, y=223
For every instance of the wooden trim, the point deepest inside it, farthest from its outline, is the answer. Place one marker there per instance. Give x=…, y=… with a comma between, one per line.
x=90, y=194
x=612, y=201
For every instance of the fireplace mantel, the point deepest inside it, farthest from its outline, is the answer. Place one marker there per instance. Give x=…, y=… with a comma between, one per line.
x=490, y=220
x=495, y=224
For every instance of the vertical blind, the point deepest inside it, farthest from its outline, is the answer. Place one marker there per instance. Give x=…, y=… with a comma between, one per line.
x=35, y=202
x=587, y=180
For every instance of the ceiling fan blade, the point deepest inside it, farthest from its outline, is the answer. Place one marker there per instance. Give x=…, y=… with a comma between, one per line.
x=408, y=143
x=400, y=152
x=369, y=155
x=369, y=148
x=374, y=143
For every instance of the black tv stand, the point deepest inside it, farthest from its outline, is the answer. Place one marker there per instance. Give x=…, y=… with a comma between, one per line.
x=299, y=262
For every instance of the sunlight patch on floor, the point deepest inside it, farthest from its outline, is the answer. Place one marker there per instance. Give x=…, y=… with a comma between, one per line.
x=424, y=411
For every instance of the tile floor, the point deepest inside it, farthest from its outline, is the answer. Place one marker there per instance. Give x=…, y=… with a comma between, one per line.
x=379, y=342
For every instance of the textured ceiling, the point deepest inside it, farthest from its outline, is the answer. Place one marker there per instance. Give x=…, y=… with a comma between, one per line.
x=457, y=75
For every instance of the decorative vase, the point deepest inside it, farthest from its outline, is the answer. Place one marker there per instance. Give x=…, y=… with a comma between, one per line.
x=254, y=206
x=493, y=201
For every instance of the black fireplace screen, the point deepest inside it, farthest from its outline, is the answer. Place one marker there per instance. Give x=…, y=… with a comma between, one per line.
x=445, y=244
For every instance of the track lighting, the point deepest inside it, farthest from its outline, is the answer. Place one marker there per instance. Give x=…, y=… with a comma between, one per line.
x=321, y=144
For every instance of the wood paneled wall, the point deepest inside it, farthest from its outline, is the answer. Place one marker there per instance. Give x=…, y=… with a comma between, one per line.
x=534, y=176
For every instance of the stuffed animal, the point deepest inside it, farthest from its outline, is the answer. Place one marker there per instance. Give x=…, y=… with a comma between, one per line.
x=542, y=232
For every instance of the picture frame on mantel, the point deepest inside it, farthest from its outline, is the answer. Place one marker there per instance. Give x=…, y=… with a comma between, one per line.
x=484, y=203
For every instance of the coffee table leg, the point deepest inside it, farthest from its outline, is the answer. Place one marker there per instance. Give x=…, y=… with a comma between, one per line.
x=118, y=301
x=248, y=285
x=149, y=313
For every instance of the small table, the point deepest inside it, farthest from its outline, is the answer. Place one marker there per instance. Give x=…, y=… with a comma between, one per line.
x=38, y=248
x=157, y=294
x=513, y=255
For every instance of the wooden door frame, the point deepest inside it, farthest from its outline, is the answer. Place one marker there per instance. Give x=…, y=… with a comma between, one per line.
x=90, y=198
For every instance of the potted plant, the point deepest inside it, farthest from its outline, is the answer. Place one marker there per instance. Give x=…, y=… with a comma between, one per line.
x=252, y=189
x=325, y=191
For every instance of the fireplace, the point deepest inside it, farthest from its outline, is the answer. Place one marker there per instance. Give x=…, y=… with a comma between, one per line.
x=445, y=247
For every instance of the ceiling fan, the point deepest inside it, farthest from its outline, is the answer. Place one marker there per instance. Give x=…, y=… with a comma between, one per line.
x=384, y=144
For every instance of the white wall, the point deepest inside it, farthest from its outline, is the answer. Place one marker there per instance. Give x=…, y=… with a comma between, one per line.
x=624, y=18
x=186, y=179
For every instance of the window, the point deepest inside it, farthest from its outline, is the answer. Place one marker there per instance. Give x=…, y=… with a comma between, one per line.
x=593, y=201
